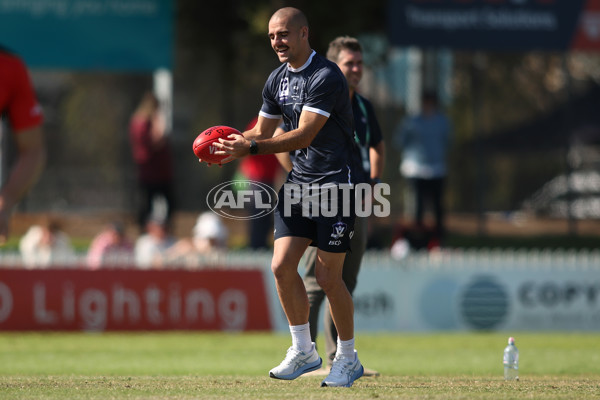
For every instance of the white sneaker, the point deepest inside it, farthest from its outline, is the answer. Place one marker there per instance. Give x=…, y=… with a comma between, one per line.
x=344, y=372
x=296, y=363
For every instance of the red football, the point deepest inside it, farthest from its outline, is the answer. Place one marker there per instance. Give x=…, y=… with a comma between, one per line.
x=203, y=148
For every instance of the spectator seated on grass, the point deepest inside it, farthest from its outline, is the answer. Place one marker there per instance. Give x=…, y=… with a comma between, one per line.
x=151, y=247
x=110, y=247
x=45, y=244
x=207, y=244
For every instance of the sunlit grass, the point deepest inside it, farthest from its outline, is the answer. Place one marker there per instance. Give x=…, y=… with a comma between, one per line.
x=219, y=365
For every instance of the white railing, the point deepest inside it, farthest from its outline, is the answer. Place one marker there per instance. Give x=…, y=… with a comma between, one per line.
x=443, y=259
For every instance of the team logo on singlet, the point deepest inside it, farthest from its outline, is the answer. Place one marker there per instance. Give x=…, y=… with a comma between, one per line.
x=284, y=89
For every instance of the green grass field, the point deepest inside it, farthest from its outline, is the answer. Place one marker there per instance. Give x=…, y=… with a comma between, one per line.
x=234, y=366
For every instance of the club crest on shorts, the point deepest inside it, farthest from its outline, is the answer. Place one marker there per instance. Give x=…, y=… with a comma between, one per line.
x=339, y=229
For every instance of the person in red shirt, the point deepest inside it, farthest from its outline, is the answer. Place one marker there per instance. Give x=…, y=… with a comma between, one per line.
x=152, y=154
x=19, y=107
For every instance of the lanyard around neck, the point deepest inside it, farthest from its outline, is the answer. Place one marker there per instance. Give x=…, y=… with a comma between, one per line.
x=363, y=110
x=364, y=149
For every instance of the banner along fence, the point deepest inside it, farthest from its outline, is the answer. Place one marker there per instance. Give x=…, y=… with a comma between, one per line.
x=128, y=299
x=443, y=291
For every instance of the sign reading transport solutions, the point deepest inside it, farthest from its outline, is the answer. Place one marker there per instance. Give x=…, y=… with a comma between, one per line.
x=496, y=24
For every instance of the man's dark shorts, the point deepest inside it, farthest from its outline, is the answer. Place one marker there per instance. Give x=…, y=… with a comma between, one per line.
x=328, y=233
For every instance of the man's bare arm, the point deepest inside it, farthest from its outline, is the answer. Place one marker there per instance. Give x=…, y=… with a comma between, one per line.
x=239, y=146
x=283, y=158
x=29, y=165
x=377, y=156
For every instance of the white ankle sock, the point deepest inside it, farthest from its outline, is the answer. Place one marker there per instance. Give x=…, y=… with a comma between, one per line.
x=345, y=348
x=301, y=337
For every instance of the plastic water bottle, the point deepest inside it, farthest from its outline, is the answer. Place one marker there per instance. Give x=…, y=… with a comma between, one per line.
x=511, y=361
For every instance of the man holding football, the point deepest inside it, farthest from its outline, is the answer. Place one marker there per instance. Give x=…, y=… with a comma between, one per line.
x=347, y=53
x=311, y=95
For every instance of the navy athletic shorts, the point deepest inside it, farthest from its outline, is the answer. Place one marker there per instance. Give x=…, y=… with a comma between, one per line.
x=328, y=233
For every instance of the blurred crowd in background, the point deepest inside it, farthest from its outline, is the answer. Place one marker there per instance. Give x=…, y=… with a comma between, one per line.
x=110, y=149
x=47, y=244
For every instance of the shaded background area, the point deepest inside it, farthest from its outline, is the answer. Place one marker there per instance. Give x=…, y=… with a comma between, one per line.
x=520, y=119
